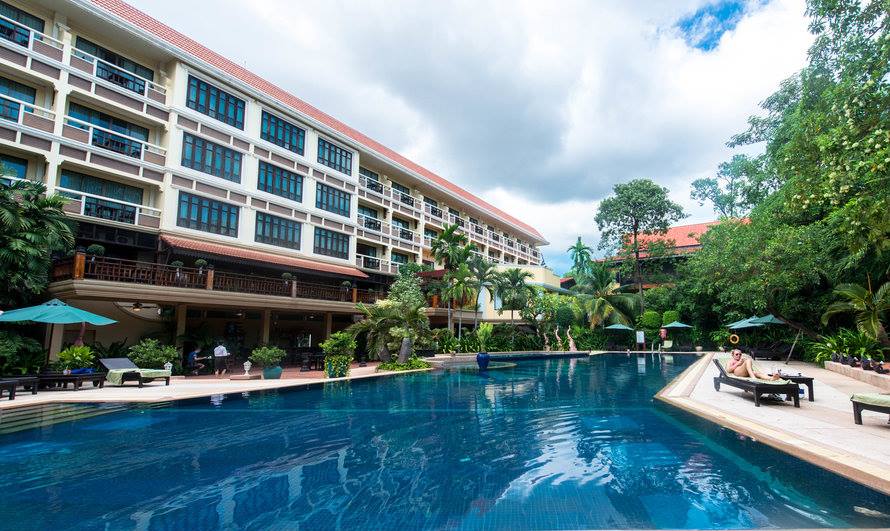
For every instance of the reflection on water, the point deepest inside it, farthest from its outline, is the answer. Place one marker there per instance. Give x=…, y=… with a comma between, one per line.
x=565, y=443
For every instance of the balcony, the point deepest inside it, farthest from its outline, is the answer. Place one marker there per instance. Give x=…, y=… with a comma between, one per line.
x=379, y=193
x=21, y=39
x=372, y=263
x=97, y=206
x=155, y=275
x=26, y=114
x=385, y=229
x=114, y=150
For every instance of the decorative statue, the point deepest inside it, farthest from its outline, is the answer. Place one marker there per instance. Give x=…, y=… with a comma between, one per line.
x=546, y=343
x=558, y=340
x=572, y=346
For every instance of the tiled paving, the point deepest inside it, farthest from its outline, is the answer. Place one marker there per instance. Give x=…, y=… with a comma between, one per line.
x=821, y=432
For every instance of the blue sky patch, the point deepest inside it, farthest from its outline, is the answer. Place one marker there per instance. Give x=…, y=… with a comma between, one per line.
x=703, y=28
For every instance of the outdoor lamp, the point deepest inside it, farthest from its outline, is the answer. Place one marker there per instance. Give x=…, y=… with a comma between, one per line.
x=247, y=366
x=168, y=366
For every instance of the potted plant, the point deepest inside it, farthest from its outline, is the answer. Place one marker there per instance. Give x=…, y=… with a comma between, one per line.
x=483, y=336
x=77, y=360
x=95, y=250
x=339, y=349
x=152, y=354
x=200, y=263
x=345, y=286
x=287, y=277
x=269, y=357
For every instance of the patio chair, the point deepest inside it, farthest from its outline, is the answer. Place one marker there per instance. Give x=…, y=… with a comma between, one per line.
x=756, y=386
x=666, y=344
x=871, y=402
x=122, y=370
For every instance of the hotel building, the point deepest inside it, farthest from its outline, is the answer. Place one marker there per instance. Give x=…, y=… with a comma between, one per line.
x=172, y=154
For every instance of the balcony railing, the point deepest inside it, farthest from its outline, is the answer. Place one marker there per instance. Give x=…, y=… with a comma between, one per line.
x=371, y=184
x=403, y=198
x=119, y=143
x=370, y=223
x=25, y=113
x=376, y=225
x=373, y=263
x=118, y=76
x=22, y=35
x=161, y=275
x=101, y=207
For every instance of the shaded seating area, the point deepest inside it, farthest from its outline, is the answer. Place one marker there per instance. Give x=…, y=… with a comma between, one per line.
x=869, y=401
x=123, y=370
x=756, y=386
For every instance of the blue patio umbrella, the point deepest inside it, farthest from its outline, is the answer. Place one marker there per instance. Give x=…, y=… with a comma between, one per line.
x=54, y=312
x=677, y=324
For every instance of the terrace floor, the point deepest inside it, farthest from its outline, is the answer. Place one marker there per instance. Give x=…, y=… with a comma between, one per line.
x=821, y=432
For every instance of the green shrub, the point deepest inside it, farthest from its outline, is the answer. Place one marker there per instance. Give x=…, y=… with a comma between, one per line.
x=337, y=366
x=413, y=363
x=151, y=354
x=339, y=350
x=650, y=321
x=589, y=338
x=468, y=343
x=267, y=356
x=20, y=354
x=74, y=357
x=483, y=335
x=669, y=317
x=444, y=338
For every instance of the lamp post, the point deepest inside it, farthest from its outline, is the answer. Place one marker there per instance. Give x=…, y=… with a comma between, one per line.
x=247, y=366
x=168, y=367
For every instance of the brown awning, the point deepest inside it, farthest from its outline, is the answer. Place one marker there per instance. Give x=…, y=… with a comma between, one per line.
x=229, y=251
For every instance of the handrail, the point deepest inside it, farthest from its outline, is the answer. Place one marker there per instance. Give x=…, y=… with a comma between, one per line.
x=146, y=83
x=30, y=108
x=105, y=198
x=91, y=128
x=33, y=35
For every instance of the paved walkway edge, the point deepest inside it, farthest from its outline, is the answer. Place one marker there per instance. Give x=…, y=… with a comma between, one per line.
x=677, y=393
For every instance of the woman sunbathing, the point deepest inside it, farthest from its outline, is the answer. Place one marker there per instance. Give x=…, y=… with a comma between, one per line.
x=743, y=367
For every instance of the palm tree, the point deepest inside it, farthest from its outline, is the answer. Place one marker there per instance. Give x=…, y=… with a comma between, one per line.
x=580, y=255
x=485, y=276
x=513, y=291
x=447, y=248
x=602, y=299
x=32, y=226
x=461, y=286
x=379, y=319
x=867, y=307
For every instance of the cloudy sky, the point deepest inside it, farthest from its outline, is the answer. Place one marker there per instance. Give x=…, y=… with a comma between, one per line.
x=539, y=107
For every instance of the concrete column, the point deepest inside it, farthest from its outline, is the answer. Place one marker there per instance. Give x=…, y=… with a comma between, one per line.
x=267, y=321
x=181, y=310
x=54, y=335
x=328, y=324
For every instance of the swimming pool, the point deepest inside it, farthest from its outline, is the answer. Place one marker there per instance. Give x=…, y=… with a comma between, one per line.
x=565, y=443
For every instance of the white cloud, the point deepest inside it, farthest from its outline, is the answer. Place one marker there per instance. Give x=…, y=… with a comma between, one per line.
x=540, y=107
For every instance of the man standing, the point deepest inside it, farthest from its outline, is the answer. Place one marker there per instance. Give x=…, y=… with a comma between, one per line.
x=220, y=357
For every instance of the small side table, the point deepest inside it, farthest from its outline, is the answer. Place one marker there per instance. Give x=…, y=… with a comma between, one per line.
x=801, y=380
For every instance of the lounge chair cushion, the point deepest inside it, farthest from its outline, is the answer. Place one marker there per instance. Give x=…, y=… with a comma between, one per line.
x=873, y=399
x=115, y=376
x=724, y=360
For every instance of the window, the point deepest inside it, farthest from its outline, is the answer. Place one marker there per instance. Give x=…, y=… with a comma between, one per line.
x=215, y=103
x=372, y=180
x=277, y=231
x=13, y=167
x=429, y=233
x=332, y=199
x=330, y=243
x=209, y=157
x=13, y=32
x=401, y=223
x=399, y=258
x=123, y=143
x=333, y=156
x=366, y=250
x=367, y=212
x=280, y=182
x=98, y=207
x=282, y=133
x=430, y=202
x=9, y=110
x=369, y=174
x=404, y=189
x=208, y=215
x=116, y=68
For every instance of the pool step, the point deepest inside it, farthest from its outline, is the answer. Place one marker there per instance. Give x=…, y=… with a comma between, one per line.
x=43, y=415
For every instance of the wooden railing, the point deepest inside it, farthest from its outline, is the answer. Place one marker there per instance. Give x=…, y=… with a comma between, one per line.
x=81, y=267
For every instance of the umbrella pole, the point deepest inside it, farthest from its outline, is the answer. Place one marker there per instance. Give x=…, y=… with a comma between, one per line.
x=790, y=352
x=83, y=330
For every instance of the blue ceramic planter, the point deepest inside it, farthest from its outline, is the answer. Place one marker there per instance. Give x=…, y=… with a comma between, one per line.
x=272, y=373
x=482, y=360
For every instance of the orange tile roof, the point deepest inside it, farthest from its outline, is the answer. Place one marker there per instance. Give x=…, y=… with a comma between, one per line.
x=683, y=235
x=132, y=15
x=258, y=256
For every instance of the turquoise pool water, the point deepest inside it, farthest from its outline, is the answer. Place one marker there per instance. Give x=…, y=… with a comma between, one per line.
x=558, y=444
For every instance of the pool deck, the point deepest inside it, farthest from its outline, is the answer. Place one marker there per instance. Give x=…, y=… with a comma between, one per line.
x=820, y=432
x=182, y=388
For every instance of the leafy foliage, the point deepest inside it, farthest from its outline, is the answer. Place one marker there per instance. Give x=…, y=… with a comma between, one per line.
x=740, y=185
x=115, y=349
x=32, y=226
x=19, y=354
x=337, y=366
x=602, y=299
x=483, y=335
x=412, y=364
x=267, y=355
x=76, y=357
x=339, y=344
x=669, y=316
x=868, y=308
x=650, y=322
x=151, y=354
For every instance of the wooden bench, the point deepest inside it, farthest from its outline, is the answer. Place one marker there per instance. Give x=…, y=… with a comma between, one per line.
x=53, y=379
x=757, y=388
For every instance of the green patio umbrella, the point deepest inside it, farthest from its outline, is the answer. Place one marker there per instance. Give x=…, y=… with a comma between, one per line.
x=619, y=326
x=769, y=319
x=750, y=322
x=54, y=312
x=677, y=324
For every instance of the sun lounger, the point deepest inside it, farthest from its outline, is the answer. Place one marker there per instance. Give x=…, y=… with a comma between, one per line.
x=9, y=386
x=122, y=370
x=871, y=402
x=52, y=380
x=757, y=386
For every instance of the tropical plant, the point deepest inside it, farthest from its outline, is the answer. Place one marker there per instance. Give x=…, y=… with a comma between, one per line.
x=461, y=288
x=339, y=351
x=19, y=354
x=602, y=299
x=485, y=276
x=414, y=363
x=446, y=341
x=740, y=185
x=639, y=207
x=95, y=250
x=152, y=354
x=483, y=335
x=267, y=356
x=76, y=357
x=115, y=349
x=649, y=321
x=868, y=308
x=513, y=290
x=669, y=316
x=580, y=255
x=32, y=226
x=451, y=249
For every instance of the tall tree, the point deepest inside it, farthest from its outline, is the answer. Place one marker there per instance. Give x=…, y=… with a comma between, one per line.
x=461, y=287
x=32, y=226
x=740, y=185
x=449, y=249
x=580, y=255
x=636, y=208
x=602, y=300
x=484, y=277
x=513, y=290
